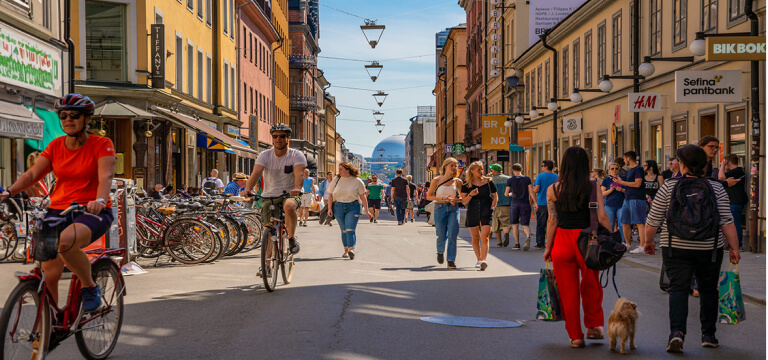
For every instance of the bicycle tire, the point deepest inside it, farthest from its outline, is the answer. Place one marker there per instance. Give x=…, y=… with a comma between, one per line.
x=22, y=346
x=269, y=281
x=242, y=229
x=254, y=233
x=145, y=247
x=236, y=238
x=189, y=241
x=287, y=266
x=8, y=241
x=97, y=338
x=222, y=235
x=218, y=248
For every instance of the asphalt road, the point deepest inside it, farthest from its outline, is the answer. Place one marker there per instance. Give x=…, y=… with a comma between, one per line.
x=369, y=308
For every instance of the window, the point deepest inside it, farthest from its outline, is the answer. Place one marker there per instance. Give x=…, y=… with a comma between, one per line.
x=708, y=15
x=226, y=83
x=616, y=53
x=190, y=68
x=179, y=63
x=736, y=10
x=232, y=86
x=256, y=102
x=47, y=14
x=633, y=35
x=246, y=41
x=601, y=48
x=208, y=69
x=576, y=63
x=680, y=16
x=528, y=93
x=190, y=4
x=200, y=9
x=199, y=74
x=588, y=59
x=225, y=13
x=547, y=84
x=250, y=97
x=538, y=85
x=107, y=60
x=232, y=18
x=255, y=51
x=655, y=28
x=565, y=70
x=208, y=12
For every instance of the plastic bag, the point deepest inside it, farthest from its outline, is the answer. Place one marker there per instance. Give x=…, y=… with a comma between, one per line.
x=731, y=309
x=548, y=304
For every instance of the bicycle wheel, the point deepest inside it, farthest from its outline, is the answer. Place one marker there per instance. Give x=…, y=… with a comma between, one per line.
x=254, y=229
x=8, y=241
x=222, y=234
x=236, y=238
x=268, y=264
x=286, y=267
x=21, y=339
x=189, y=241
x=97, y=333
x=147, y=247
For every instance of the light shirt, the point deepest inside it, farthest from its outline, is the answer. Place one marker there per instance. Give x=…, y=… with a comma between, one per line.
x=308, y=184
x=346, y=190
x=278, y=172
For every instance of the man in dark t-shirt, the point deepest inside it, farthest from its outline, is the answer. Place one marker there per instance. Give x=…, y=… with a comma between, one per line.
x=635, y=208
x=673, y=171
x=732, y=177
x=519, y=190
x=401, y=194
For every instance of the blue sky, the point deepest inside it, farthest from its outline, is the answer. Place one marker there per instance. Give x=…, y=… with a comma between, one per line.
x=410, y=31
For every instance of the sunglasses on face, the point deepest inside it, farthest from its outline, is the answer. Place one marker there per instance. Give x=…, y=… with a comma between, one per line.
x=72, y=115
x=613, y=168
x=282, y=136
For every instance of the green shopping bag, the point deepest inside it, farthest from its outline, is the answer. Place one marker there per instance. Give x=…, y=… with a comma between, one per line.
x=731, y=309
x=548, y=304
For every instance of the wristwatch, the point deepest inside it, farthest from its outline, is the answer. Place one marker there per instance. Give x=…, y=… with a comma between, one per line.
x=101, y=200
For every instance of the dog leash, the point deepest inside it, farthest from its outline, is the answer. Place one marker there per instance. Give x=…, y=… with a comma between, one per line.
x=613, y=278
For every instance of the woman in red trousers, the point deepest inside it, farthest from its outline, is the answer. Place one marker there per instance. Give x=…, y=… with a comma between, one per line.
x=568, y=205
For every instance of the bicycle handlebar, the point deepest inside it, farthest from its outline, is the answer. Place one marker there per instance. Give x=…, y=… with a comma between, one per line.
x=78, y=209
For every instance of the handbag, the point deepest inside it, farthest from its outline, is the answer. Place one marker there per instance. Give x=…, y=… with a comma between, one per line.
x=731, y=308
x=548, y=303
x=45, y=241
x=600, y=248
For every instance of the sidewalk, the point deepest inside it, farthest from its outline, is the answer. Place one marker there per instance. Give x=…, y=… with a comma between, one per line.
x=751, y=269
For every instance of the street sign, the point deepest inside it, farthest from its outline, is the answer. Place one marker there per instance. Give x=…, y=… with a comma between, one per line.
x=495, y=134
x=644, y=102
x=458, y=149
x=617, y=114
x=515, y=147
x=743, y=48
x=712, y=86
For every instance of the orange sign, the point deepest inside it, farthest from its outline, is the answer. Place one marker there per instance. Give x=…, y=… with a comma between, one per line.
x=525, y=138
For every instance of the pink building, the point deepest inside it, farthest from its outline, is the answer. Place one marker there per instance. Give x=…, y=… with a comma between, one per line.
x=257, y=35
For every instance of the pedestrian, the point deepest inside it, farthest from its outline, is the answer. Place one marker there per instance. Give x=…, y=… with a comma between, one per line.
x=322, y=193
x=652, y=180
x=237, y=185
x=444, y=191
x=543, y=181
x=309, y=193
x=375, y=190
x=157, y=194
x=519, y=189
x=569, y=214
x=194, y=192
x=411, y=198
x=388, y=198
x=38, y=189
x=613, y=197
x=622, y=168
x=597, y=174
x=711, y=146
x=684, y=258
x=732, y=178
x=401, y=194
x=214, y=184
x=479, y=196
x=500, y=221
x=347, y=192
x=673, y=169
x=635, y=208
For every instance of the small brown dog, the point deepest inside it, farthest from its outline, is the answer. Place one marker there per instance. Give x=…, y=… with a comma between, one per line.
x=622, y=324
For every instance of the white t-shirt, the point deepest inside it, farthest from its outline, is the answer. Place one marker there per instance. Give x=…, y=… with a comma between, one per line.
x=219, y=183
x=279, y=171
x=347, y=189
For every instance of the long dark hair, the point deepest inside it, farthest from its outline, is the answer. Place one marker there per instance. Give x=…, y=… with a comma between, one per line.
x=694, y=158
x=573, y=183
x=653, y=166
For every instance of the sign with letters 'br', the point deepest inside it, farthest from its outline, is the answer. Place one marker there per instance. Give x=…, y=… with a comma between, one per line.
x=712, y=86
x=495, y=134
x=644, y=102
x=545, y=14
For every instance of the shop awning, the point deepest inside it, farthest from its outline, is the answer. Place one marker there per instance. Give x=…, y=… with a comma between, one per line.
x=51, y=130
x=114, y=108
x=217, y=135
x=209, y=143
x=19, y=122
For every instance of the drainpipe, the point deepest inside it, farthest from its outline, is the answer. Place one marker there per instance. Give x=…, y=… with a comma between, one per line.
x=216, y=58
x=70, y=45
x=754, y=99
x=554, y=93
x=240, y=52
x=636, y=76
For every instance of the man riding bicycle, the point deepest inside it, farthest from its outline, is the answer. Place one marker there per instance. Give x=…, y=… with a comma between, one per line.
x=282, y=169
x=83, y=165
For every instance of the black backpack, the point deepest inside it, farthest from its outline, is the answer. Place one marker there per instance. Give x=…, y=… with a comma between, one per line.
x=692, y=212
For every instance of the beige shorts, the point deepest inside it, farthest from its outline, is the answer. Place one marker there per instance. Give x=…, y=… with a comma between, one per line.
x=500, y=219
x=306, y=200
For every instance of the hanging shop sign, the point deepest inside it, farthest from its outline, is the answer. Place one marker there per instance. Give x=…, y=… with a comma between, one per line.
x=572, y=124
x=545, y=14
x=448, y=148
x=29, y=63
x=644, y=102
x=458, y=149
x=742, y=48
x=713, y=86
x=233, y=130
x=525, y=138
x=495, y=134
x=158, y=55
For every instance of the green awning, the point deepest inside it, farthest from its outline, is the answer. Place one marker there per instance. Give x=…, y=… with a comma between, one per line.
x=51, y=129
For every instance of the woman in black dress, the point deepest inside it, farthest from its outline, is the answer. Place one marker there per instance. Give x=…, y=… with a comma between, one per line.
x=479, y=196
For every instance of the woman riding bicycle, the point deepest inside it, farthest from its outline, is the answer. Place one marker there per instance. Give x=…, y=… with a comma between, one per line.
x=83, y=165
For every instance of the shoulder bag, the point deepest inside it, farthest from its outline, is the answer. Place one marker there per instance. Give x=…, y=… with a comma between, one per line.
x=600, y=248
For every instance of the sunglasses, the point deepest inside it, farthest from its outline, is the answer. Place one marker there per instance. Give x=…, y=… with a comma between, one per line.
x=72, y=115
x=614, y=168
x=282, y=136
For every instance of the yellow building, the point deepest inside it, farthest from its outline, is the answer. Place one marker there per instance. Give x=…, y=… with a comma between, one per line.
x=450, y=92
x=281, y=51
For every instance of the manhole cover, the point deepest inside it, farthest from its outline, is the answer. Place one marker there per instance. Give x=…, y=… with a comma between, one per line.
x=470, y=321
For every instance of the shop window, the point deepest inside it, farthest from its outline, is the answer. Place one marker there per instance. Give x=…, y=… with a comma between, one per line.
x=105, y=35
x=588, y=145
x=737, y=134
x=602, y=151
x=547, y=152
x=657, y=147
x=681, y=134
x=619, y=146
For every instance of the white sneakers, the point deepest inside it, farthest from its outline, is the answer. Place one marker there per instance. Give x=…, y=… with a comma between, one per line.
x=478, y=263
x=637, y=250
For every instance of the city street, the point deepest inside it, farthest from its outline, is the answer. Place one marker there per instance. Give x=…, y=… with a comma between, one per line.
x=369, y=308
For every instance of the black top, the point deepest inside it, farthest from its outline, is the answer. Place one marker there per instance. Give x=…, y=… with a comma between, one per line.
x=666, y=174
x=412, y=187
x=518, y=186
x=651, y=187
x=483, y=199
x=578, y=219
x=399, y=187
x=737, y=194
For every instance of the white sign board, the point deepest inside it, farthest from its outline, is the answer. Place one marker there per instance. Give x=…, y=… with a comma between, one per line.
x=449, y=148
x=644, y=102
x=545, y=14
x=572, y=124
x=27, y=62
x=712, y=86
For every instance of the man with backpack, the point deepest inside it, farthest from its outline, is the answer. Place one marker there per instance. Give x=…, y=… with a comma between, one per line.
x=695, y=220
x=213, y=185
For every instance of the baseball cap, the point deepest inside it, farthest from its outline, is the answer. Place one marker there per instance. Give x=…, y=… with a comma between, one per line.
x=496, y=167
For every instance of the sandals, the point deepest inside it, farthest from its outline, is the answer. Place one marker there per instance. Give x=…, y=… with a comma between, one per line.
x=577, y=343
x=597, y=333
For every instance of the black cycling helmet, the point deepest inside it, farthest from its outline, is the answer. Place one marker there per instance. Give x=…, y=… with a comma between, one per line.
x=281, y=127
x=77, y=102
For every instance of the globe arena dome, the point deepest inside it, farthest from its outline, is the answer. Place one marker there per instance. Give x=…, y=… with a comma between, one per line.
x=392, y=147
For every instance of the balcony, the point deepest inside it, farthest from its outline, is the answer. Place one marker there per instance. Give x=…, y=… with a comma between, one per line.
x=303, y=103
x=299, y=61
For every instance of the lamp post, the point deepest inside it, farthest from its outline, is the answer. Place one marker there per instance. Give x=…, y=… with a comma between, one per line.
x=647, y=69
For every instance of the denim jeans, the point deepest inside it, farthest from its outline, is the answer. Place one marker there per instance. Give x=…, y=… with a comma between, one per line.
x=542, y=215
x=400, y=204
x=614, y=216
x=347, y=214
x=681, y=265
x=447, y=227
x=736, y=212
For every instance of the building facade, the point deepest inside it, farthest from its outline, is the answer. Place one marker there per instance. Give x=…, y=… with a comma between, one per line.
x=451, y=96
x=420, y=144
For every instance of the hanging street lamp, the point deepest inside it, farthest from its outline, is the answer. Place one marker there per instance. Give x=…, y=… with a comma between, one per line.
x=380, y=97
x=376, y=68
x=378, y=115
x=380, y=127
x=371, y=28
